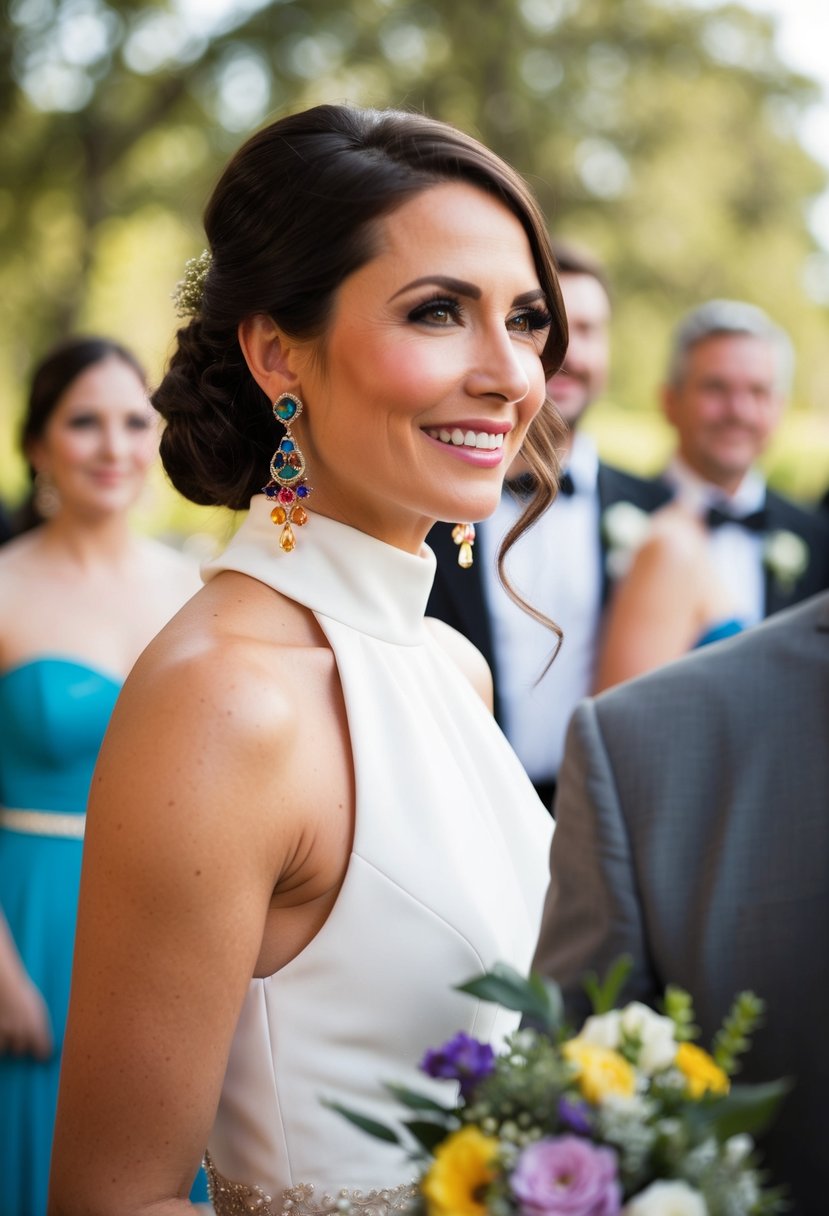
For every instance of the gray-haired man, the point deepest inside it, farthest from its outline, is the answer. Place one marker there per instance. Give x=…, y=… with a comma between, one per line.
x=729, y=373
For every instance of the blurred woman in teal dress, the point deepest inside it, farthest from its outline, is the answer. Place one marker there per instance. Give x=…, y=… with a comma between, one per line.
x=81, y=595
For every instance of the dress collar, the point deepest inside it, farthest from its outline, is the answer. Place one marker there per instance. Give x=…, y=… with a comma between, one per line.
x=335, y=571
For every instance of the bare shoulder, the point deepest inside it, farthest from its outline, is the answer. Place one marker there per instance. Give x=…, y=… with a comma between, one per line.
x=22, y=572
x=207, y=727
x=467, y=657
x=676, y=540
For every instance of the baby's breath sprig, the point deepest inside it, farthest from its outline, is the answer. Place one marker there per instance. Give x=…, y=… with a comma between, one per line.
x=188, y=292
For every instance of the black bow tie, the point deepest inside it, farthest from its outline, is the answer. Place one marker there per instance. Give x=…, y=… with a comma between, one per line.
x=757, y=521
x=524, y=485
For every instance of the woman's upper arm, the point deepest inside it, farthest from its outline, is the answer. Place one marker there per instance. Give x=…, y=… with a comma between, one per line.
x=179, y=865
x=653, y=616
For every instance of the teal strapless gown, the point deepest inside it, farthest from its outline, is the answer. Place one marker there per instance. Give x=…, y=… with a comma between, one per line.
x=53, y=715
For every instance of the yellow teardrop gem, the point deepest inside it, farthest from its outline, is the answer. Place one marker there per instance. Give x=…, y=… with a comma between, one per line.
x=287, y=540
x=465, y=555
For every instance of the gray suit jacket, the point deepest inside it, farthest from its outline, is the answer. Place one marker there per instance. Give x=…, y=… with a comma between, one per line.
x=693, y=833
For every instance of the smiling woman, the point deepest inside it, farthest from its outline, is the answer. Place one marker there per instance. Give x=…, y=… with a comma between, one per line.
x=306, y=826
x=80, y=596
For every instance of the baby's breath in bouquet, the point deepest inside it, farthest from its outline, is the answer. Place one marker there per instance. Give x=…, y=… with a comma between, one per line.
x=629, y=1117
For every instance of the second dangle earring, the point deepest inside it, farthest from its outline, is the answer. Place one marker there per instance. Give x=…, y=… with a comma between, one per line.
x=287, y=488
x=464, y=537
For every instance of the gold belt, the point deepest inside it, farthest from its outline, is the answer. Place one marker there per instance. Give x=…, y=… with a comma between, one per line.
x=236, y=1199
x=43, y=823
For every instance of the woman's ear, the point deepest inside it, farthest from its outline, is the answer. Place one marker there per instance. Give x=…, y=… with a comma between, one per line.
x=269, y=355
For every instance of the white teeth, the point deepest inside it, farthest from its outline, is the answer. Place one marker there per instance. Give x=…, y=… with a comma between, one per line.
x=485, y=440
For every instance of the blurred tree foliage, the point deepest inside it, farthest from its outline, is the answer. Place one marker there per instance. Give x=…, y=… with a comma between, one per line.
x=660, y=134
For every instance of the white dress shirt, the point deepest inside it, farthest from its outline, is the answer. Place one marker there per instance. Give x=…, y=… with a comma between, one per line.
x=557, y=567
x=736, y=553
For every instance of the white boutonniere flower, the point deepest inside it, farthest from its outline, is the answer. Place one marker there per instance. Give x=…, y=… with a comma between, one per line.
x=786, y=555
x=624, y=527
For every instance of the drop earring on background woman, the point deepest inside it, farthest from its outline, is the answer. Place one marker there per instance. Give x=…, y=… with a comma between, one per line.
x=46, y=496
x=464, y=536
x=287, y=486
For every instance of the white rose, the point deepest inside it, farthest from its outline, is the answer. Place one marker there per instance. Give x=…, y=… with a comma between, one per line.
x=786, y=555
x=625, y=526
x=602, y=1030
x=636, y=1021
x=667, y=1199
x=657, y=1035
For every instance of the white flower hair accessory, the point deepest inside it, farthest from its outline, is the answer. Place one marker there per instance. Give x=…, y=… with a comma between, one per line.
x=188, y=292
x=624, y=527
x=786, y=556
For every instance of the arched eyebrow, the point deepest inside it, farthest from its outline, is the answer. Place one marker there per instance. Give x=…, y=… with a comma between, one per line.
x=462, y=288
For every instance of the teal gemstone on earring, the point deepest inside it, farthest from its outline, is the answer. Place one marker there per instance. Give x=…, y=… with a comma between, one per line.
x=285, y=409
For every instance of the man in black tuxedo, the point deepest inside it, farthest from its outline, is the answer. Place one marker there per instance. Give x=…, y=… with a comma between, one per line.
x=559, y=565
x=729, y=372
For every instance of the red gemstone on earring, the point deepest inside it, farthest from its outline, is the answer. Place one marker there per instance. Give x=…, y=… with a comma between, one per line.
x=285, y=495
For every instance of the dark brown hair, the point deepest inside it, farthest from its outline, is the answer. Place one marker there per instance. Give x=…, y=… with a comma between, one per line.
x=291, y=217
x=57, y=370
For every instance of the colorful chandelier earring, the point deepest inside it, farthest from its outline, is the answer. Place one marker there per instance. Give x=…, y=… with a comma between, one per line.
x=464, y=537
x=287, y=486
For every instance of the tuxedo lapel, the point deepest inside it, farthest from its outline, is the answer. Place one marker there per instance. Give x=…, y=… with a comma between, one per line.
x=614, y=485
x=814, y=534
x=458, y=595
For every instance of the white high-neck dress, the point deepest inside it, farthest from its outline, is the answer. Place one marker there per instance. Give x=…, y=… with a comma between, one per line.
x=446, y=876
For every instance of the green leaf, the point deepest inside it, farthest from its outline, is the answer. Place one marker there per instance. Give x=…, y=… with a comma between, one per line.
x=746, y=1108
x=415, y=1100
x=537, y=998
x=604, y=995
x=427, y=1133
x=378, y=1130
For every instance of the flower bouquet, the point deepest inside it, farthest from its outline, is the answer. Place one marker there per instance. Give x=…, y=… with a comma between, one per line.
x=629, y=1116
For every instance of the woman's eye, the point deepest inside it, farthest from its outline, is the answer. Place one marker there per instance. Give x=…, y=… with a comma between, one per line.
x=81, y=421
x=139, y=422
x=436, y=312
x=529, y=321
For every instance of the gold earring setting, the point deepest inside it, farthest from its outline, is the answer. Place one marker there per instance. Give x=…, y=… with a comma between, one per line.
x=464, y=537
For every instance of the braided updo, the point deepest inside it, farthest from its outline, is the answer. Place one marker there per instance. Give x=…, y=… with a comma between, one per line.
x=291, y=217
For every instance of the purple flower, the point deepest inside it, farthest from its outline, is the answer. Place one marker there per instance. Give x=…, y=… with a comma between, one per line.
x=575, y=1116
x=566, y=1176
x=461, y=1059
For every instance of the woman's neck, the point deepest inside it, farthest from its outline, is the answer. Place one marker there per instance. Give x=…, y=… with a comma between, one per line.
x=89, y=543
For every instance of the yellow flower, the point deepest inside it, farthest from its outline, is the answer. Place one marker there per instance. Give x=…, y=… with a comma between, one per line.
x=463, y=1169
x=601, y=1072
x=702, y=1075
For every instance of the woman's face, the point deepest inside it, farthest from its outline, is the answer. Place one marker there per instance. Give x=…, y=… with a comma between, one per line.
x=430, y=371
x=99, y=441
